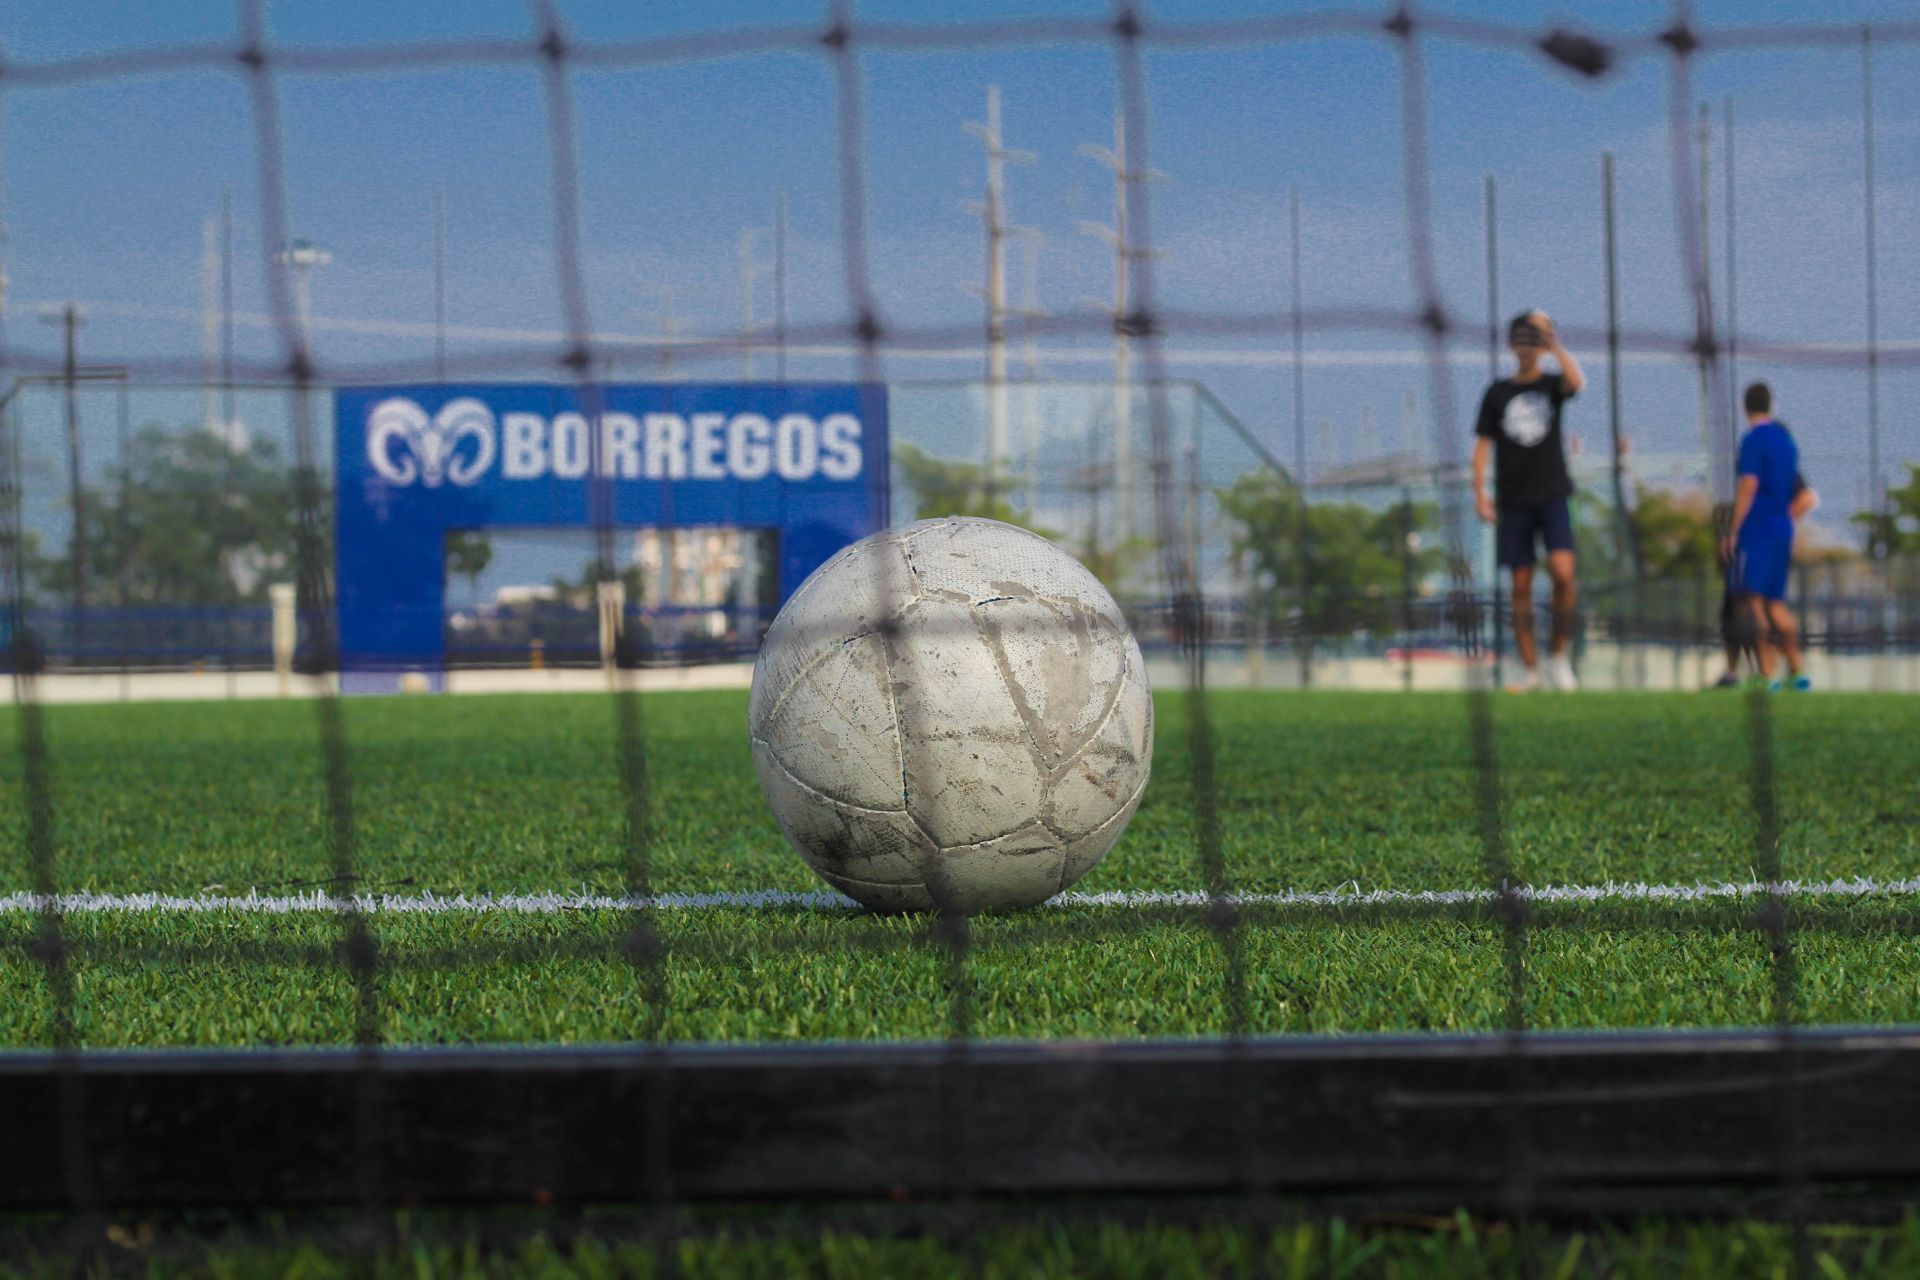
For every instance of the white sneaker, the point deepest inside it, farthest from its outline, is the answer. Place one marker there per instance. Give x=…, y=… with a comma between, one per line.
x=1560, y=672
x=1529, y=682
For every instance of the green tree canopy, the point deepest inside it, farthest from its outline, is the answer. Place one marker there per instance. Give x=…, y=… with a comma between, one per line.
x=1339, y=566
x=1675, y=534
x=952, y=487
x=185, y=519
x=469, y=552
x=1895, y=531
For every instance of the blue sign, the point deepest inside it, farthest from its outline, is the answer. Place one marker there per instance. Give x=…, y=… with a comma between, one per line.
x=414, y=463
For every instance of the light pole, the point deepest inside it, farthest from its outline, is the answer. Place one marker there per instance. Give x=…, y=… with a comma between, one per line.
x=992, y=212
x=302, y=256
x=1119, y=237
x=70, y=318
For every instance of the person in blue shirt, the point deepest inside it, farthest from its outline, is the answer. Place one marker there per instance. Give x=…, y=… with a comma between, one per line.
x=1762, y=551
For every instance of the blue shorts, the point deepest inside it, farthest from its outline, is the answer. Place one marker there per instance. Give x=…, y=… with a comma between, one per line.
x=1519, y=527
x=1760, y=567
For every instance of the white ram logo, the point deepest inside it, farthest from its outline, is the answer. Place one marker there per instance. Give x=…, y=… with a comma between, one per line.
x=432, y=454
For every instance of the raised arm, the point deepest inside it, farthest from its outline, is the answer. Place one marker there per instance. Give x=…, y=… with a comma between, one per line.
x=1572, y=378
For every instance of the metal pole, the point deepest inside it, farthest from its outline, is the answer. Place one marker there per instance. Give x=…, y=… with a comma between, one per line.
x=1719, y=459
x=1303, y=580
x=229, y=424
x=1493, y=375
x=1122, y=348
x=780, y=282
x=1733, y=308
x=1406, y=586
x=1030, y=361
x=994, y=215
x=210, y=323
x=124, y=530
x=77, y=551
x=1626, y=545
x=1493, y=282
x=440, y=284
x=669, y=329
x=1876, y=493
x=303, y=306
x=746, y=303
x=1119, y=238
x=226, y=315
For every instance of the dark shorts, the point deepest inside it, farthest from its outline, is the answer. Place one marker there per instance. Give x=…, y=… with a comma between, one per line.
x=1521, y=527
x=1760, y=567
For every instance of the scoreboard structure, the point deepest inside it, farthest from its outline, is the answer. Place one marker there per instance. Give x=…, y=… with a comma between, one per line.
x=808, y=462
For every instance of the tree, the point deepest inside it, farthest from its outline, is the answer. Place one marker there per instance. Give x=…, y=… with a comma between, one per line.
x=1675, y=534
x=1895, y=531
x=469, y=552
x=186, y=519
x=1337, y=567
x=950, y=487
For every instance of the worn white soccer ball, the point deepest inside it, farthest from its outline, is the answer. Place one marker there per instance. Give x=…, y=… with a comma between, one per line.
x=951, y=715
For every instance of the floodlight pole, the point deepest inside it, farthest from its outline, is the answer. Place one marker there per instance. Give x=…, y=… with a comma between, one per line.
x=669, y=332
x=303, y=256
x=751, y=269
x=1119, y=238
x=440, y=284
x=227, y=413
x=780, y=283
x=1302, y=578
x=1493, y=282
x=210, y=323
x=1733, y=308
x=1719, y=460
x=1493, y=375
x=229, y=420
x=992, y=213
x=1626, y=545
x=1030, y=315
x=70, y=318
x=1876, y=491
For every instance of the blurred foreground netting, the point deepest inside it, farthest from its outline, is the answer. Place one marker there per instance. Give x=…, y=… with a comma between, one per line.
x=197, y=557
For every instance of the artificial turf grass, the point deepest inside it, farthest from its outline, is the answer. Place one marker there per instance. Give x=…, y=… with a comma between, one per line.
x=995, y=1245
x=519, y=793
x=794, y=975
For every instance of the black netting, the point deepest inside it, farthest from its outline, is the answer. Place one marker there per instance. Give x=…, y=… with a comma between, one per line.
x=1638, y=613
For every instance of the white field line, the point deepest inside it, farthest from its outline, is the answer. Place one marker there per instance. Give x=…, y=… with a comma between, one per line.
x=553, y=903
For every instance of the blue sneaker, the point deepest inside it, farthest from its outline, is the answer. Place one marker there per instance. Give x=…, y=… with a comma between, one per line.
x=1801, y=684
x=1774, y=686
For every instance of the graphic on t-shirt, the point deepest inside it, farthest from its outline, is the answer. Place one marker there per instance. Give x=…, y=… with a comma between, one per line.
x=1526, y=418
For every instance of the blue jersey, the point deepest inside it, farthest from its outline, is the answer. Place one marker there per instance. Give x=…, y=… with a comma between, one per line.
x=1769, y=455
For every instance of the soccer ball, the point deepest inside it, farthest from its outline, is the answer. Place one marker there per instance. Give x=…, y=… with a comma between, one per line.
x=951, y=715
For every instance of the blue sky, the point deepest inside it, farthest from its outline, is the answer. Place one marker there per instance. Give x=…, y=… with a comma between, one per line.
x=105, y=186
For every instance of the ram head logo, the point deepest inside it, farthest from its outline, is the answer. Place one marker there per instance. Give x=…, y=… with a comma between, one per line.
x=404, y=444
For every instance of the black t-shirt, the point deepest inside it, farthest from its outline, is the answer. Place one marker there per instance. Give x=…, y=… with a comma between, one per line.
x=1523, y=421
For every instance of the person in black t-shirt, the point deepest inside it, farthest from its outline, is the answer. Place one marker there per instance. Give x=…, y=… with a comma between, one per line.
x=1519, y=430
